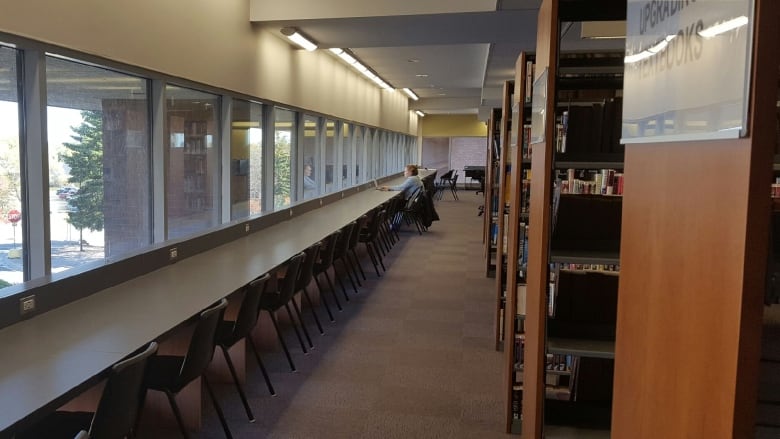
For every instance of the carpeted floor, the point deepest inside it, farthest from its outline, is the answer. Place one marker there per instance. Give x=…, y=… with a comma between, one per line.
x=411, y=356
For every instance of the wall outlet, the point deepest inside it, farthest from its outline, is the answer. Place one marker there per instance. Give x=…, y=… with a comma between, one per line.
x=246, y=227
x=174, y=253
x=27, y=304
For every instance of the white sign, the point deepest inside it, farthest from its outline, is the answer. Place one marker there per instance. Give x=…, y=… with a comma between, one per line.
x=687, y=69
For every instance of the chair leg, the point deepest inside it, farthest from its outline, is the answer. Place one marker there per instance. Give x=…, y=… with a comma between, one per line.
x=295, y=328
x=333, y=290
x=281, y=341
x=303, y=324
x=340, y=282
x=262, y=366
x=378, y=256
x=313, y=311
x=352, y=268
x=177, y=414
x=322, y=297
x=349, y=275
x=240, y=389
x=359, y=265
x=217, y=407
x=372, y=257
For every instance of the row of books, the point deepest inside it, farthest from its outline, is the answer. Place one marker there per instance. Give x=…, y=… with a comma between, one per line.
x=610, y=268
x=526, y=142
x=591, y=181
x=591, y=129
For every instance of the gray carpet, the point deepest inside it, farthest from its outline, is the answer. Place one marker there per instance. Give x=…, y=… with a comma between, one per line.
x=411, y=356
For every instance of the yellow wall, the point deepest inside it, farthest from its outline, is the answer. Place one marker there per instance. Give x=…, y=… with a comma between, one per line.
x=459, y=125
x=211, y=42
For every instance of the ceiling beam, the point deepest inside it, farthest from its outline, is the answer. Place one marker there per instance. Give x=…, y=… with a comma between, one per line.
x=274, y=10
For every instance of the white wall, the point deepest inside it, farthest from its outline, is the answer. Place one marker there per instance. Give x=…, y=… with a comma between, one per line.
x=211, y=42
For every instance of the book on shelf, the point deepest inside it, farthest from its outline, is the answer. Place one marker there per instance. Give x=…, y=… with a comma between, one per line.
x=529, y=81
x=590, y=181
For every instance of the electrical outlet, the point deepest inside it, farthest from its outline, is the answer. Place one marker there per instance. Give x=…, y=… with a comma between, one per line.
x=174, y=253
x=27, y=304
x=246, y=227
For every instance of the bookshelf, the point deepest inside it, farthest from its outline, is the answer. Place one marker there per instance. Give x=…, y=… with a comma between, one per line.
x=513, y=287
x=490, y=229
x=503, y=170
x=574, y=244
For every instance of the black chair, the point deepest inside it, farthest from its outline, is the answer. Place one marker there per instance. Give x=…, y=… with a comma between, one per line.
x=304, y=279
x=230, y=332
x=354, y=239
x=443, y=184
x=369, y=237
x=117, y=412
x=342, y=246
x=171, y=373
x=322, y=266
x=454, y=185
x=272, y=301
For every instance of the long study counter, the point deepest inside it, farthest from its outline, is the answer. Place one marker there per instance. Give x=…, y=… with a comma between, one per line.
x=52, y=357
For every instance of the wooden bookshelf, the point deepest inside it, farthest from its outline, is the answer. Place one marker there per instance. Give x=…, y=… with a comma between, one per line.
x=513, y=285
x=502, y=204
x=490, y=208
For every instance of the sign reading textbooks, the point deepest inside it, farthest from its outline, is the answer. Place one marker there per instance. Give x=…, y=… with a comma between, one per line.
x=687, y=69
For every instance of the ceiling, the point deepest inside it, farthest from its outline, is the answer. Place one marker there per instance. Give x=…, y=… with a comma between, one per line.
x=456, y=62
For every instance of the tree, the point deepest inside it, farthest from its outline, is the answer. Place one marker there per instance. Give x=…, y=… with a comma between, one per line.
x=282, y=176
x=10, y=183
x=84, y=156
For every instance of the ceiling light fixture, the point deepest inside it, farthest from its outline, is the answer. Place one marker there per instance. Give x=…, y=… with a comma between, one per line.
x=411, y=94
x=419, y=113
x=350, y=59
x=296, y=37
x=421, y=75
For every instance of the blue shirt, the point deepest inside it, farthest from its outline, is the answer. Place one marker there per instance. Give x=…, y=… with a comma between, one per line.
x=409, y=186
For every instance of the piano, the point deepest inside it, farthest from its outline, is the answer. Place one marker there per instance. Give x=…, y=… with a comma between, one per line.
x=476, y=173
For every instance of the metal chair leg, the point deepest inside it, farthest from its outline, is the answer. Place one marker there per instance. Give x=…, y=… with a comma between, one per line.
x=240, y=389
x=262, y=367
x=295, y=328
x=322, y=296
x=281, y=341
x=177, y=414
x=217, y=407
x=357, y=261
x=313, y=311
x=303, y=324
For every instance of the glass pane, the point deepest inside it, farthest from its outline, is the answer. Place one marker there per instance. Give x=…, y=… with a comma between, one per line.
x=359, y=147
x=330, y=155
x=246, y=159
x=12, y=245
x=346, y=157
x=98, y=134
x=193, y=173
x=309, y=177
x=284, y=137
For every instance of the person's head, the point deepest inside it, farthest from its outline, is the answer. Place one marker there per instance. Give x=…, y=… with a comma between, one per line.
x=410, y=170
x=307, y=170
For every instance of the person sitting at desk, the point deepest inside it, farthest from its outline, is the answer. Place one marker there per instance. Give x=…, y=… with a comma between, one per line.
x=409, y=186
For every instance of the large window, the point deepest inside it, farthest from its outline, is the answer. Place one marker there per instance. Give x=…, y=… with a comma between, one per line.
x=329, y=156
x=346, y=156
x=310, y=142
x=99, y=190
x=193, y=177
x=11, y=242
x=246, y=159
x=360, y=147
x=284, y=141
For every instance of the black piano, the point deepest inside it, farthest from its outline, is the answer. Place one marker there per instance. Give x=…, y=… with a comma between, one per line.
x=476, y=173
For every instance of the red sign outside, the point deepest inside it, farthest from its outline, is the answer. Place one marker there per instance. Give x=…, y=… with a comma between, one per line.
x=14, y=216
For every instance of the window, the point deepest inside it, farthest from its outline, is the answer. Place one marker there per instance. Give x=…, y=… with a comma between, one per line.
x=99, y=190
x=246, y=159
x=346, y=156
x=10, y=181
x=309, y=164
x=284, y=141
x=193, y=165
x=359, y=150
x=329, y=156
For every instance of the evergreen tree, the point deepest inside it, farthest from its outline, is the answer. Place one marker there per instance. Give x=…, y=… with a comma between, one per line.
x=84, y=157
x=282, y=170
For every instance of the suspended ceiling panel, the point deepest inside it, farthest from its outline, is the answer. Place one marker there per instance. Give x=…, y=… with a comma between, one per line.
x=274, y=10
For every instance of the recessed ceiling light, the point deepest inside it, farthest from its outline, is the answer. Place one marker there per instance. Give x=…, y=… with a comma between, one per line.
x=442, y=94
x=421, y=75
x=412, y=60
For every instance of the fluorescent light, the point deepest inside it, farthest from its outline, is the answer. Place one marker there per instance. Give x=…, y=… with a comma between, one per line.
x=724, y=27
x=411, y=94
x=293, y=35
x=336, y=50
x=360, y=67
x=419, y=113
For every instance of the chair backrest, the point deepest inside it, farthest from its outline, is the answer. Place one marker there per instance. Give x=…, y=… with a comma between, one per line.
x=82, y=435
x=202, y=343
x=375, y=218
x=307, y=266
x=328, y=251
x=447, y=175
x=288, y=283
x=117, y=410
x=354, y=237
x=247, y=314
x=454, y=180
x=342, y=245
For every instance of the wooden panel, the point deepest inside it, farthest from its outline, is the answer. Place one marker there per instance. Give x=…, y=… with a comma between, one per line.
x=693, y=255
x=506, y=117
x=539, y=231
